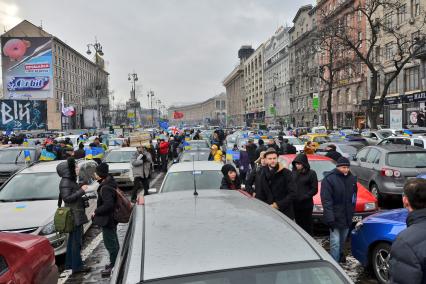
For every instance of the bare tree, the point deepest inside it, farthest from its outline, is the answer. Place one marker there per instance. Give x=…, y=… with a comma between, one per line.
x=379, y=16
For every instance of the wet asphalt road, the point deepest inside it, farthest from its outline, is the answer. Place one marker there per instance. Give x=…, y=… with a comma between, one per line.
x=95, y=255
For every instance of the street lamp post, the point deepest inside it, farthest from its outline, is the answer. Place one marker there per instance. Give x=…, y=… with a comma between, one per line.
x=150, y=97
x=159, y=110
x=98, y=51
x=274, y=77
x=133, y=77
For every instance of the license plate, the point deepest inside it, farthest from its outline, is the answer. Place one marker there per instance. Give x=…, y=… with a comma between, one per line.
x=356, y=219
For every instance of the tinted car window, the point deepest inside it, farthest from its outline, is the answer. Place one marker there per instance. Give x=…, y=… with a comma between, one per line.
x=362, y=155
x=372, y=156
x=3, y=265
x=185, y=180
x=119, y=157
x=320, y=167
x=348, y=149
x=418, y=143
x=407, y=160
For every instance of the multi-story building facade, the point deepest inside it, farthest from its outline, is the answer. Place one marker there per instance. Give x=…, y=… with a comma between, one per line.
x=254, y=87
x=212, y=112
x=276, y=77
x=81, y=83
x=349, y=86
x=303, y=68
x=406, y=96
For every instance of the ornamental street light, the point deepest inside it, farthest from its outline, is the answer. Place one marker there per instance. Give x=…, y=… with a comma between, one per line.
x=150, y=96
x=132, y=78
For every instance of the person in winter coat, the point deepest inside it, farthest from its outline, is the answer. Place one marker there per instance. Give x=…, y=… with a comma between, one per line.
x=338, y=197
x=408, y=252
x=80, y=153
x=72, y=195
x=291, y=149
x=277, y=187
x=332, y=153
x=141, y=166
x=251, y=151
x=243, y=164
x=261, y=148
x=163, y=150
x=230, y=178
x=104, y=214
x=309, y=149
x=215, y=154
x=272, y=144
x=254, y=176
x=283, y=145
x=307, y=186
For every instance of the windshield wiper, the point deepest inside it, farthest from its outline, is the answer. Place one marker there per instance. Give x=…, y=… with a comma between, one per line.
x=17, y=157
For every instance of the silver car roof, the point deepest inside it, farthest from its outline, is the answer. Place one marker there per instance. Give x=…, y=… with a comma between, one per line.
x=42, y=167
x=124, y=149
x=197, y=165
x=219, y=229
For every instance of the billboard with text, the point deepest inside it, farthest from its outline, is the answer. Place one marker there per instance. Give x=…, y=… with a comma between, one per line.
x=23, y=115
x=27, y=67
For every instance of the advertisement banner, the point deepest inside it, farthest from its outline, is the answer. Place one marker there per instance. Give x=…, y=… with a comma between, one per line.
x=22, y=115
x=395, y=119
x=27, y=67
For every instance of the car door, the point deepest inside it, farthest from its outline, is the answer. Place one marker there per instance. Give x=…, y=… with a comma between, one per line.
x=358, y=165
x=371, y=165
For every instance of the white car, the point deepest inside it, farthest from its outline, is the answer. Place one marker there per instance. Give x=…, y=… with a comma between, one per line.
x=119, y=165
x=296, y=142
x=29, y=199
x=419, y=141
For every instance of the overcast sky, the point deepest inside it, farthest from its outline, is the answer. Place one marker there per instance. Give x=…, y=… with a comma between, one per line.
x=181, y=49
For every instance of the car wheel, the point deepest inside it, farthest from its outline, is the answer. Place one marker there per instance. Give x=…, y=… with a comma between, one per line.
x=380, y=262
x=374, y=189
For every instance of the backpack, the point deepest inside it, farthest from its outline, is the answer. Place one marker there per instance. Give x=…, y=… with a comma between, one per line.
x=64, y=220
x=122, y=207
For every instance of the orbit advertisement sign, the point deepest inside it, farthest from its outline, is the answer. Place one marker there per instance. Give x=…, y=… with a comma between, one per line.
x=27, y=67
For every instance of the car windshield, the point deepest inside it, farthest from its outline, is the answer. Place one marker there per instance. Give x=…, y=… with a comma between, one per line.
x=301, y=273
x=14, y=156
x=407, y=160
x=320, y=167
x=180, y=181
x=194, y=156
x=399, y=141
x=34, y=186
x=119, y=157
x=295, y=141
x=385, y=134
x=198, y=144
x=348, y=149
x=321, y=139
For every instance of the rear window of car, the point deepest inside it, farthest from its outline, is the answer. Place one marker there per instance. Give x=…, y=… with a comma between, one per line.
x=407, y=160
x=180, y=181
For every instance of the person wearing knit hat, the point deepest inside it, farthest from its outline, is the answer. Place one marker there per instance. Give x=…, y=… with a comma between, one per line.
x=230, y=178
x=338, y=197
x=104, y=214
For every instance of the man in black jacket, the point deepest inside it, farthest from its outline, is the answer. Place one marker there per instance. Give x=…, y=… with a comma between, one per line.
x=332, y=153
x=307, y=186
x=408, y=253
x=251, y=151
x=254, y=177
x=104, y=214
x=338, y=197
x=261, y=148
x=277, y=187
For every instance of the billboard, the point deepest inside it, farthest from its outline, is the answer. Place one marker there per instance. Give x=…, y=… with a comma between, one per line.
x=27, y=67
x=23, y=114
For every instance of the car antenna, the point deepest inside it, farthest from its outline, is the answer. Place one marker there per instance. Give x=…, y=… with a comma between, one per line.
x=193, y=176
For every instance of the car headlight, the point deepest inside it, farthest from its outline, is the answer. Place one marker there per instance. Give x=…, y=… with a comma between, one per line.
x=369, y=206
x=318, y=208
x=48, y=229
x=358, y=226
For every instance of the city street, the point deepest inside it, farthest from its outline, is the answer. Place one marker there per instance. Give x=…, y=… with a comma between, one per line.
x=95, y=255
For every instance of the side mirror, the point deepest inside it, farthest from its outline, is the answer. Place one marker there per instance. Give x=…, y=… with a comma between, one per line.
x=152, y=191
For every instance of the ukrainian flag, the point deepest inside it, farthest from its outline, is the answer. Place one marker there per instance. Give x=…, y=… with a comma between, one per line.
x=27, y=155
x=89, y=154
x=229, y=155
x=98, y=152
x=47, y=156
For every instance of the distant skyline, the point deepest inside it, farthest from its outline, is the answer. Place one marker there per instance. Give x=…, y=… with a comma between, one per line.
x=180, y=49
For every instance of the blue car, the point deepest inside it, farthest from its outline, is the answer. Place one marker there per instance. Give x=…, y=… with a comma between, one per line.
x=372, y=239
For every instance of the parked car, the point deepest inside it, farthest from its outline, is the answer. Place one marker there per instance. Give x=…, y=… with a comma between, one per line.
x=193, y=155
x=219, y=236
x=316, y=139
x=30, y=199
x=347, y=150
x=296, y=142
x=366, y=203
x=374, y=137
x=186, y=175
x=384, y=169
x=26, y=259
x=196, y=145
x=372, y=239
x=119, y=165
x=418, y=141
x=12, y=159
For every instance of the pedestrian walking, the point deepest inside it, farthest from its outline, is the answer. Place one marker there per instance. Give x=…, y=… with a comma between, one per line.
x=253, y=178
x=408, y=252
x=251, y=151
x=309, y=149
x=141, y=167
x=307, y=186
x=72, y=195
x=104, y=214
x=163, y=150
x=338, y=197
x=277, y=187
x=230, y=178
x=332, y=153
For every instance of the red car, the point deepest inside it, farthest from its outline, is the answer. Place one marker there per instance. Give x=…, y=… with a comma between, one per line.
x=366, y=203
x=26, y=258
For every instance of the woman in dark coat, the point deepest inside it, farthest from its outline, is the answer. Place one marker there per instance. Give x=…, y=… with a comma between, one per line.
x=243, y=164
x=307, y=186
x=230, y=178
x=253, y=177
x=72, y=195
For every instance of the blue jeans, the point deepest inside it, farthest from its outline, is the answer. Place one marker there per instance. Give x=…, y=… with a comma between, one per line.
x=337, y=242
x=73, y=257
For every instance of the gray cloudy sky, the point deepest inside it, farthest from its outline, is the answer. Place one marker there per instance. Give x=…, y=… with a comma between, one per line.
x=181, y=49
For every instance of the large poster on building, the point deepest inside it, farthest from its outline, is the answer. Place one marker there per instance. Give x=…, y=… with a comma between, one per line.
x=23, y=115
x=396, y=119
x=27, y=67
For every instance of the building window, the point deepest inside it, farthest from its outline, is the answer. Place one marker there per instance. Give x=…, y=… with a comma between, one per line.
x=412, y=79
x=401, y=12
x=393, y=87
x=388, y=51
x=387, y=21
x=415, y=8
